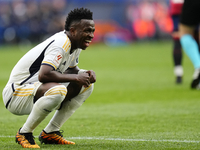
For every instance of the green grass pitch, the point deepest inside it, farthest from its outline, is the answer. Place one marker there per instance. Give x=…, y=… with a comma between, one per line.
x=136, y=104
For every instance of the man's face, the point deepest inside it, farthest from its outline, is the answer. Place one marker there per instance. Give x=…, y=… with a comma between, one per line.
x=84, y=33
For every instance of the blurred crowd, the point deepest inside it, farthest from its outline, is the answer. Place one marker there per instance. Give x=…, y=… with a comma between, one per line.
x=22, y=20
x=119, y=22
x=150, y=19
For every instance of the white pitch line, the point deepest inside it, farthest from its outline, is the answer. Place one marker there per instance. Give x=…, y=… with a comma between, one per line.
x=120, y=139
x=134, y=140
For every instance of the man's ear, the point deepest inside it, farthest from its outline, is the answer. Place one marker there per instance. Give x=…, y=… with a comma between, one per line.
x=72, y=31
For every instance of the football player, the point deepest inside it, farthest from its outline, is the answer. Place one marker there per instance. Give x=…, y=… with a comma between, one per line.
x=175, y=11
x=48, y=78
x=190, y=18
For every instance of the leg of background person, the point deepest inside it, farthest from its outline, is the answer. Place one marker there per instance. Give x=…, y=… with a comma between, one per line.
x=177, y=58
x=191, y=48
x=177, y=50
x=196, y=36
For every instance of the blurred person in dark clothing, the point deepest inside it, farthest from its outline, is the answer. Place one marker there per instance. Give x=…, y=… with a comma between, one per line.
x=190, y=18
x=175, y=11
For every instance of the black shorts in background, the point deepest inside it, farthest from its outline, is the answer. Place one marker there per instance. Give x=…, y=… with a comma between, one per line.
x=190, y=12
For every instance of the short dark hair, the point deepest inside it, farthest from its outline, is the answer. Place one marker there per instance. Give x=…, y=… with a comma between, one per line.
x=76, y=15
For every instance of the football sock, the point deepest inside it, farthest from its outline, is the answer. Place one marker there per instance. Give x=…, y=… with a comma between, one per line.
x=178, y=71
x=190, y=47
x=67, y=109
x=43, y=106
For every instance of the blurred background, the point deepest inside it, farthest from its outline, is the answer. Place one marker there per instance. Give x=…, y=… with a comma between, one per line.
x=117, y=21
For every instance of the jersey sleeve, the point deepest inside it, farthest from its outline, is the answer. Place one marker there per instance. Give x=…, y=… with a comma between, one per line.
x=176, y=7
x=53, y=57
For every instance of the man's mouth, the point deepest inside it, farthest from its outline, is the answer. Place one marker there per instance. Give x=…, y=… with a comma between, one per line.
x=87, y=42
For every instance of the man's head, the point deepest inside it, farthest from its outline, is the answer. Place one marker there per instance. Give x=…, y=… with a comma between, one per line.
x=80, y=25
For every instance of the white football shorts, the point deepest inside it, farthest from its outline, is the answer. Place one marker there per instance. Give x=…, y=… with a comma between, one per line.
x=19, y=99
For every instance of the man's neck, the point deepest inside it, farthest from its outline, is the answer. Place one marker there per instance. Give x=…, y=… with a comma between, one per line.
x=71, y=40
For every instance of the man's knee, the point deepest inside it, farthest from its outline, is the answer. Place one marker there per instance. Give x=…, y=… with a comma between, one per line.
x=58, y=92
x=56, y=95
x=84, y=93
x=49, y=88
x=184, y=29
x=88, y=89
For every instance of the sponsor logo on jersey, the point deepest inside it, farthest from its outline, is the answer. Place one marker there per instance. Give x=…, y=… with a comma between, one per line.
x=58, y=58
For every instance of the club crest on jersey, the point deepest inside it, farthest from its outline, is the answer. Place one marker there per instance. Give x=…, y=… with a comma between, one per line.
x=58, y=58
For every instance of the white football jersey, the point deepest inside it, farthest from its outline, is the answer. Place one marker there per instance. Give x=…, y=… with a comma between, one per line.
x=55, y=51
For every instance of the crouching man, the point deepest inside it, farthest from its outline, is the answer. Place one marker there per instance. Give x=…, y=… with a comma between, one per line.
x=47, y=78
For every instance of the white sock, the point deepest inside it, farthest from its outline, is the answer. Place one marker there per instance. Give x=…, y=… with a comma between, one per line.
x=43, y=106
x=178, y=71
x=68, y=108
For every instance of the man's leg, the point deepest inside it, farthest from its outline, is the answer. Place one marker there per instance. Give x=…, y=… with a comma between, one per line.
x=191, y=48
x=177, y=50
x=177, y=59
x=51, y=99
x=69, y=106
